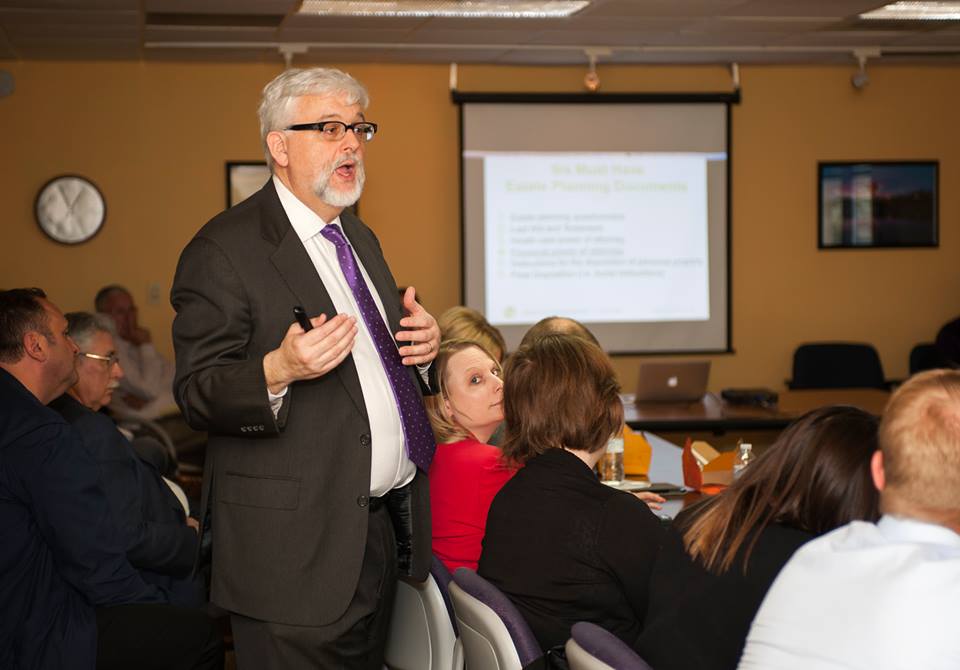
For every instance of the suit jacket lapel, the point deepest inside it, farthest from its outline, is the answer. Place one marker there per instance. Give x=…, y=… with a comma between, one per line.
x=295, y=267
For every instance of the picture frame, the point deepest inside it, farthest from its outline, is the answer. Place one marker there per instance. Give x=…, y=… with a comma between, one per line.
x=244, y=178
x=878, y=204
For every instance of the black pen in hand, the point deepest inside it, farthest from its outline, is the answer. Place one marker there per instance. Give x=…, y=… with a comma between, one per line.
x=301, y=316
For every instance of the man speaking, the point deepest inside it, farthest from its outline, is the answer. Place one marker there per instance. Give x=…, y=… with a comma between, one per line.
x=318, y=438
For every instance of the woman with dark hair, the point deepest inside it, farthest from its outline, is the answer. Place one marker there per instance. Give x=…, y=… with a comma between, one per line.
x=560, y=544
x=721, y=556
x=466, y=472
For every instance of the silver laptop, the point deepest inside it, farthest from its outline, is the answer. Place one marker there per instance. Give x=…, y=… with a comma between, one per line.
x=673, y=381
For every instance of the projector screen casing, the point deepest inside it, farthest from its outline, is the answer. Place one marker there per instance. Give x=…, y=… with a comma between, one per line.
x=613, y=124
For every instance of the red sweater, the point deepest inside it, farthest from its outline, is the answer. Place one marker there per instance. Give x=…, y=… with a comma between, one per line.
x=464, y=478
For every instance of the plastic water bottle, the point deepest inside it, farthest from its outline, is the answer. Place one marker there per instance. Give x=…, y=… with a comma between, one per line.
x=611, y=465
x=743, y=459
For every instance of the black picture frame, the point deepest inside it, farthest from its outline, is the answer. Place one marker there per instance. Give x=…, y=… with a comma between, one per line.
x=878, y=204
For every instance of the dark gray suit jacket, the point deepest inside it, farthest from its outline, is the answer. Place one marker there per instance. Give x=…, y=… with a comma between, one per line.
x=288, y=495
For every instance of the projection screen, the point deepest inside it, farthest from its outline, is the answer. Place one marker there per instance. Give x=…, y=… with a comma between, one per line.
x=614, y=212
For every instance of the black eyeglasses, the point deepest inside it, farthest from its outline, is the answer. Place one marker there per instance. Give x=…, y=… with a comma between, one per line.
x=110, y=360
x=333, y=131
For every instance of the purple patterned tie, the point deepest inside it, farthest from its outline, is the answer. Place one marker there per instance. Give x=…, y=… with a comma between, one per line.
x=413, y=417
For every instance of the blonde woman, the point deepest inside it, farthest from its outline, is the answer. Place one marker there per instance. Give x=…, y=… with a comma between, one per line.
x=466, y=472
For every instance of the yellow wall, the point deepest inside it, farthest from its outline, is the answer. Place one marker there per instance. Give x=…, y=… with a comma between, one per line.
x=154, y=137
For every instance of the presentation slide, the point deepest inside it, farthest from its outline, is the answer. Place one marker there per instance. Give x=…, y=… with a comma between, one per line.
x=601, y=237
x=612, y=213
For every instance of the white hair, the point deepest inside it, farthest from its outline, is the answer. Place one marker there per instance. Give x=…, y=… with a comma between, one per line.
x=82, y=326
x=279, y=94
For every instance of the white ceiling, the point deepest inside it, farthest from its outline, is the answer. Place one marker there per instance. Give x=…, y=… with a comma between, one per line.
x=633, y=31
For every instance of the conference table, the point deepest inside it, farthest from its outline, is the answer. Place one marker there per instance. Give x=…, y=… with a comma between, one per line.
x=711, y=413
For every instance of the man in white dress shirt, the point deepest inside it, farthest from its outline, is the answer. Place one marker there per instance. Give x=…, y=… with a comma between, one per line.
x=146, y=389
x=314, y=486
x=886, y=595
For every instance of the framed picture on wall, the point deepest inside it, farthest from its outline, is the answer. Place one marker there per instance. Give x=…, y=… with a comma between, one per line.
x=244, y=178
x=880, y=204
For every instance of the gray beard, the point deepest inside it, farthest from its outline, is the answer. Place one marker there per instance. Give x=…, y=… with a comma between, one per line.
x=336, y=197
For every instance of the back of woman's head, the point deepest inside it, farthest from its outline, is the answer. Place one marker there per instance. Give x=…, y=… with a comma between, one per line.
x=815, y=477
x=560, y=391
x=464, y=323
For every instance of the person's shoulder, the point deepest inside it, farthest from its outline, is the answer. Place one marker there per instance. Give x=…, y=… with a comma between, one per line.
x=788, y=535
x=23, y=414
x=233, y=222
x=44, y=440
x=628, y=508
x=468, y=452
x=242, y=223
x=97, y=431
x=79, y=415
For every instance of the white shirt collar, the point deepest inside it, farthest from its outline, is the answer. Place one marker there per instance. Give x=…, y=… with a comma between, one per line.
x=304, y=220
x=898, y=528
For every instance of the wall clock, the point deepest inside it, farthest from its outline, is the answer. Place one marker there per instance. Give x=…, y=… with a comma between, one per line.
x=70, y=209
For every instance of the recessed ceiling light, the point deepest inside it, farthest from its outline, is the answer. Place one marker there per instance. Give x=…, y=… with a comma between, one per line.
x=542, y=9
x=916, y=11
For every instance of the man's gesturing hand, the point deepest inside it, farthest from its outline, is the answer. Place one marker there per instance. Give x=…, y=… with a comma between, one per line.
x=309, y=355
x=421, y=332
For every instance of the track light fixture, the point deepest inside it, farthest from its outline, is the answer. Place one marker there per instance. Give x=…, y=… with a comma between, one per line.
x=591, y=80
x=860, y=78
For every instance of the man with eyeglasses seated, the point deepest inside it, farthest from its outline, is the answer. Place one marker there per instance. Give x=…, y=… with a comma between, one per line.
x=161, y=541
x=319, y=442
x=70, y=599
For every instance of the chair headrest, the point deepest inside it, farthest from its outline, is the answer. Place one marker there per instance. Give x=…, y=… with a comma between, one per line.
x=528, y=649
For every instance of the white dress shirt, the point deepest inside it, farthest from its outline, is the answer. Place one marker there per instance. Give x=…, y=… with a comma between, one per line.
x=147, y=375
x=864, y=596
x=390, y=466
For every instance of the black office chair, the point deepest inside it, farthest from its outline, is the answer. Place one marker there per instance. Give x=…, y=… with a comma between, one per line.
x=926, y=356
x=836, y=365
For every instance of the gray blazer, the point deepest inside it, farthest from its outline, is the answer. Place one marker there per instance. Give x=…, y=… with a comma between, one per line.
x=287, y=496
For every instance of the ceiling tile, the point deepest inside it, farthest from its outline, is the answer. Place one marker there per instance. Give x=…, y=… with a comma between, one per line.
x=20, y=32
x=658, y=8
x=72, y=5
x=9, y=17
x=823, y=8
x=654, y=31
x=221, y=6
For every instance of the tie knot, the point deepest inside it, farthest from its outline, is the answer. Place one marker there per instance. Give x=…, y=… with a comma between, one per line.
x=332, y=232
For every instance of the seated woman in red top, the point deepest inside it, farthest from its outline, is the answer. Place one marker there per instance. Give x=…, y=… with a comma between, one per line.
x=466, y=473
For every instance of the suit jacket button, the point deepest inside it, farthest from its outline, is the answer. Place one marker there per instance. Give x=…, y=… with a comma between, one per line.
x=362, y=501
x=364, y=440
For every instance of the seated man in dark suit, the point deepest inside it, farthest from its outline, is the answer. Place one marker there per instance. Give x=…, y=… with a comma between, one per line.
x=70, y=599
x=161, y=541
